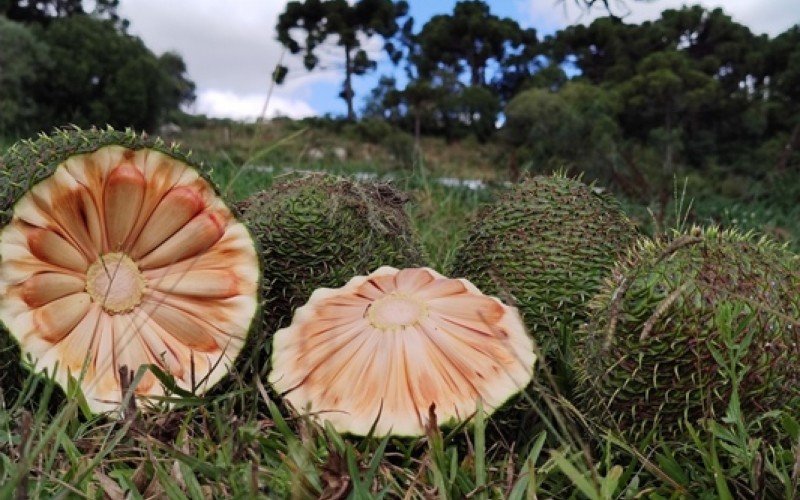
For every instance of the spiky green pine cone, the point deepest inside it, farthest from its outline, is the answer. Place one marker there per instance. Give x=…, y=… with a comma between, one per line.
x=117, y=251
x=28, y=162
x=545, y=246
x=320, y=230
x=646, y=359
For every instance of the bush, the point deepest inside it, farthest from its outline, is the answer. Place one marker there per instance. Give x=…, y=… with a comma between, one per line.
x=575, y=127
x=22, y=60
x=401, y=146
x=99, y=76
x=372, y=130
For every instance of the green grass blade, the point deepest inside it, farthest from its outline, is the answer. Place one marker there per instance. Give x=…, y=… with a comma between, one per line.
x=578, y=480
x=480, y=450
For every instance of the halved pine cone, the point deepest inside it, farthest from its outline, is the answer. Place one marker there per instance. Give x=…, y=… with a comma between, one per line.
x=121, y=255
x=389, y=348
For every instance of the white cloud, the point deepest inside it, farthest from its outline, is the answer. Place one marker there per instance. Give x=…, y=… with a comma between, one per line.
x=228, y=104
x=230, y=47
x=546, y=14
x=771, y=17
x=230, y=50
x=225, y=44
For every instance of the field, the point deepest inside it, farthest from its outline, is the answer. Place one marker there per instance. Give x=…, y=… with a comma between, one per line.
x=242, y=444
x=247, y=160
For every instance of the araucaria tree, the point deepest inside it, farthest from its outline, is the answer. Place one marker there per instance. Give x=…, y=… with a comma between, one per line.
x=468, y=39
x=350, y=24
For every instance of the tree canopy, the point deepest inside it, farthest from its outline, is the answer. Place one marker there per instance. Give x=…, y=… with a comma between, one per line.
x=44, y=11
x=468, y=39
x=62, y=65
x=691, y=90
x=344, y=22
x=23, y=59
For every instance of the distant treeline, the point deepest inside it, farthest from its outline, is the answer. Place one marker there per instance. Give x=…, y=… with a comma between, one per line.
x=60, y=64
x=692, y=90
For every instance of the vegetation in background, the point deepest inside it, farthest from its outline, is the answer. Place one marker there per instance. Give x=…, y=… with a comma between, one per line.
x=23, y=58
x=63, y=65
x=346, y=21
x=634, y=105
x=44, y=11
x=691, y=92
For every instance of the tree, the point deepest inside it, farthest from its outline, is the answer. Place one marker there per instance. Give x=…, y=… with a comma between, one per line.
x=782, y=64
x=669, y=102
x=704, y=44
x=519, y=67
x=178, y=88
x=22, y=61
x=100, y=76
x=720, y=47
x=448, y=47
x=428, y=104
x=608, y=49
x=467, y=40
x=339, y=19
x=44, y=11
x=575, y=127
x=731, y=55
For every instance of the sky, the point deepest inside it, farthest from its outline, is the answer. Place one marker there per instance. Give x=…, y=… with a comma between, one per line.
x=230, y=47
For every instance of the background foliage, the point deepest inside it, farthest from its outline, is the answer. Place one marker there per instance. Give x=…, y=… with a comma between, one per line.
x=62, y=65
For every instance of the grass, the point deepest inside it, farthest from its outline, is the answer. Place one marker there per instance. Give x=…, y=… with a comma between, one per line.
x=243, y=444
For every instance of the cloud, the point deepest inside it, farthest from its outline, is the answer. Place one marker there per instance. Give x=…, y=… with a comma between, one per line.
x=230, y=52
x=545, y=15
x=230, y=48
x=760, y=16
x=228, y=104
x=225, y=44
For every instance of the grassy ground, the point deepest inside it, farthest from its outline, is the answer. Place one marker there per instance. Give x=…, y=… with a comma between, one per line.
x=242, y=444
x=769, y=207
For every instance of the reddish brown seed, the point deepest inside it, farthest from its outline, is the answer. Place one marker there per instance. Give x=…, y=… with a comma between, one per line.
x=44, y=288
x=57, y=319
x=123, y=197
x=177, y=208
x=198, y=235
x=190, y=331
x=48, y=246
